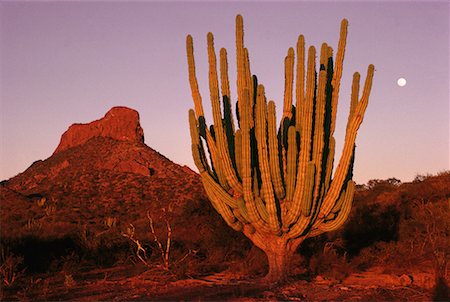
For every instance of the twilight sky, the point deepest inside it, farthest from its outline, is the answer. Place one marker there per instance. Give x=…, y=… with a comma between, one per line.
x=68, y=62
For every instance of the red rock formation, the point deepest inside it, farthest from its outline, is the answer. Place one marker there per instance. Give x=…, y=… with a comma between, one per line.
x=119, y=123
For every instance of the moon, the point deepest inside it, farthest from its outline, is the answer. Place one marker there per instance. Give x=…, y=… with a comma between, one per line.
x=401, y=82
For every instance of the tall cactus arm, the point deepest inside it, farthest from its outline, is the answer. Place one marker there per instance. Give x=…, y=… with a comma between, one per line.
x=345, y=196
x=330, y=162
x=230, y=134
x=242, y=210
x=305, y=144
x=196, y=155
x=223, y=209
x=291, y=163
x=354, y=95
x=219, y=191
x=288, y=82
x=263, y=156
x=216, y=162
x=193, y=127
x=225, y=83
x=249, y=83
x=306, y=203
x=323, y=57
x=240, y=61
x=253, y=210
x=341, y=210
x=350, y=138
x=336, y=82
x=319, y=135
x=192, y=77
x=300, y=82
x=222, y=144
x=308, y=197
x=197, y=147
x=228, y=119
x=274, y=159
x=247, y=181
x=262, y=210
x=238, y=152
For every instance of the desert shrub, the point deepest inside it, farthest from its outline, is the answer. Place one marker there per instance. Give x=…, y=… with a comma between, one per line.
x=39, y=253
x=331, y=261
x=441, y=291
x=102, y=249
x=11, y=267
x=423, y=237
x=33, y=226
x=42, y=253
x=370, y=223
x=383, y=184
x=429, y=189
x=427, y=232
x=379, y=253
x=250, y=261
x=314, y=245
x=397, y=225
x=375, y=187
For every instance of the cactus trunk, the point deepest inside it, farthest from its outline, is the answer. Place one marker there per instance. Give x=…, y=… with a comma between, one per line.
x=278, y=260
x=279, y=251
x=276, y=185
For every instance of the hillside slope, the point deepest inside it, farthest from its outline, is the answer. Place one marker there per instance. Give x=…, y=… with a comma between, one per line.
x=96, y=180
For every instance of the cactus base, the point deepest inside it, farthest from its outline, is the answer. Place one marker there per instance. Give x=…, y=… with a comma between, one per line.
x=279, y=252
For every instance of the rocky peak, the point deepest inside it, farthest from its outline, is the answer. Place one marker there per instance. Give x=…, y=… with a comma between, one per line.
x=119, y=123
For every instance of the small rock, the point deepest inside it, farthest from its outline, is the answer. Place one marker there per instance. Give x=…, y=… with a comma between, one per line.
x=319, y=278
x=405, y=280
x=424, y=280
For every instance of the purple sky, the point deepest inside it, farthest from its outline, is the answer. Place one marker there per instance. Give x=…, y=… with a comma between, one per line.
x=63, y=63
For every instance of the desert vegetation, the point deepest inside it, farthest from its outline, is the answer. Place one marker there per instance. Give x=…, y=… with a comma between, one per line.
x=394, y=246
x=276, y=186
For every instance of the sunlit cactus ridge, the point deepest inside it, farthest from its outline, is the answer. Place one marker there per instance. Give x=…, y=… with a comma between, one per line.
x=275, y=183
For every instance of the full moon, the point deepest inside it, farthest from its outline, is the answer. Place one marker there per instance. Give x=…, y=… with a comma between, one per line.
x=401, y=82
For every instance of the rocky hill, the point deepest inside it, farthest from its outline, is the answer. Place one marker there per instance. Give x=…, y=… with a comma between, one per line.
x=119, y=123
x=102, y=175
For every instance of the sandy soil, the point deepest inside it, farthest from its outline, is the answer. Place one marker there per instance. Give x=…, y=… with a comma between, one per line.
x=136, y=284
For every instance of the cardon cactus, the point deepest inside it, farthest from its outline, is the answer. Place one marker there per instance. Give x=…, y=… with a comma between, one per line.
x=275, y=184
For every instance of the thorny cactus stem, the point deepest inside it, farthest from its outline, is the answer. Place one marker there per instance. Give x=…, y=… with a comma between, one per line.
x=276, y=185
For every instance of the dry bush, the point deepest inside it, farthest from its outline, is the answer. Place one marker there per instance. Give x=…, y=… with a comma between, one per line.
x=10, y=268
x=427, y=233
x=419, y=235
x=331, y=262
x=399, y=226
x=102, y=249
x=248, y=262
x=423, y=238
x=369, y=224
